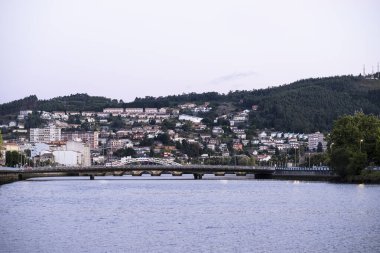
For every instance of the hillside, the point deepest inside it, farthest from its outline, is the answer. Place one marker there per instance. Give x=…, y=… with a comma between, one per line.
x=303, y=106
x=76, y=102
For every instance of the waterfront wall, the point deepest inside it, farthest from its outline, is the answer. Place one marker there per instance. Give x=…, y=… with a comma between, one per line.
x=13, y=177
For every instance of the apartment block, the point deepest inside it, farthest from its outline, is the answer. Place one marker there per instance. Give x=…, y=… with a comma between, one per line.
x=46, y=135
x=91, y=138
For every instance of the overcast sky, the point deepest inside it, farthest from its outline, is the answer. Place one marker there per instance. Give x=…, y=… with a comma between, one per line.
x=125, y=49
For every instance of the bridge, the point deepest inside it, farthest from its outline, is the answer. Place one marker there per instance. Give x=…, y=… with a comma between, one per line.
x=143, y=160
x=198, y=171
x=137, y=170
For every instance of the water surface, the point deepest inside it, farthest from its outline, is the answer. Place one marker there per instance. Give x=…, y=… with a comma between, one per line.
x=129, y=214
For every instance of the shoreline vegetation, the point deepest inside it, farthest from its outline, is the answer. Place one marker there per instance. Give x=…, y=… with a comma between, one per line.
x=354, y=148
x=366, y=177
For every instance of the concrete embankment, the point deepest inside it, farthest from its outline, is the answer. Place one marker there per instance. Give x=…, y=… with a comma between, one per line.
x=13, y=177
x=304, y=177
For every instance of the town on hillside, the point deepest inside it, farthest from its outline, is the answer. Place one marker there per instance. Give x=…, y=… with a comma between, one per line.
x=179, y=134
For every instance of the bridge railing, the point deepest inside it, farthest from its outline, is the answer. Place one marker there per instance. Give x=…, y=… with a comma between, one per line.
x=320, y=170
x=278, y=170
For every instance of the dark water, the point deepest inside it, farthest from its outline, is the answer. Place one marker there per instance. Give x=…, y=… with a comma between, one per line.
x=127, y=215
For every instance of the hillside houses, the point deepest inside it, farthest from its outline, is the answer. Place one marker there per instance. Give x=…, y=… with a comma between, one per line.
x=167, y=133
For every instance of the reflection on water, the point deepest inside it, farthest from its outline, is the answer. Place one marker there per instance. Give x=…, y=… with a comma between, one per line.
x=167, y=214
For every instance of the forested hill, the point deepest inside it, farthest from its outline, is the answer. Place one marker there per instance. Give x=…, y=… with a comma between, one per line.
x=76, y=102
x=303, y=106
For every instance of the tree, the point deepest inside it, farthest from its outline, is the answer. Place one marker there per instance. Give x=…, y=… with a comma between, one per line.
x=320, y=147
x=117, y=123
x=13, y=158
x=74, y=119
x=125, y=152
x=187, y=126
x=191, y=149
x=354, y=143
x=33, y=120
x=164, y=138
x=168, y=124
x=86, y=125
x=146, y=141
x=208, y=121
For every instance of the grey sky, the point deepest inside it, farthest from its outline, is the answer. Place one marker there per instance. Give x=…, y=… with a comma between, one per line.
x=124, y=49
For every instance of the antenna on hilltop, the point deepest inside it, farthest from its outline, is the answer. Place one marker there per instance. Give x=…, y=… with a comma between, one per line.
x=364, y=70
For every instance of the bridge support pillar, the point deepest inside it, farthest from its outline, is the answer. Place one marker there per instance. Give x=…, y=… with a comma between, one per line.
x=92, y=177
x=197, y=176
x=156, y=173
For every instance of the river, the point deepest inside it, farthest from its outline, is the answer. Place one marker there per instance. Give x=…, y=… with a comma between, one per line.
x=166, y=214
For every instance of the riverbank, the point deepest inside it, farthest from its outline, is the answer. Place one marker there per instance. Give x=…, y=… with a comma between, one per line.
x=366, y=177
x=326, y=178
x=14, y=177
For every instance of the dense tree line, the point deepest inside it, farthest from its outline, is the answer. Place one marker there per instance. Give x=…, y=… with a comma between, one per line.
x=75, y=102
x=14, y=107
x=14, y=158
x=354, y=144
x=303, y=106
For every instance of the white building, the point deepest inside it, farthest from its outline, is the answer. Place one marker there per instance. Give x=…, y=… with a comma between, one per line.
x=73, y=154
x=38, y=148
x=103, y=114
x=46, y=135
x=262, y=135
x=83, y=149
x=91, y=138
x=46, y=115
x=190, y=118
x=163, y=110
x=187, y=106
x=67, y=157
x=58, y=114
x=26, y=112
x=115, y=144
x=73, y=113
x=314, y=139
x=12, y=124
x=113, y=111
x=151, y=110
x=134, y=110
x=88, y=114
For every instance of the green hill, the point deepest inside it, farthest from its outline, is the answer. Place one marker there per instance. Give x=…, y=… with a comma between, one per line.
x=303, y=106
x=76, y=102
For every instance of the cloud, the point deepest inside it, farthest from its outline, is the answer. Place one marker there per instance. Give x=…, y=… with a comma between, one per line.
x=232, y=77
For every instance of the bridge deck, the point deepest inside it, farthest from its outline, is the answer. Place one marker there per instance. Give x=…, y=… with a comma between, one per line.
x=186, y=169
